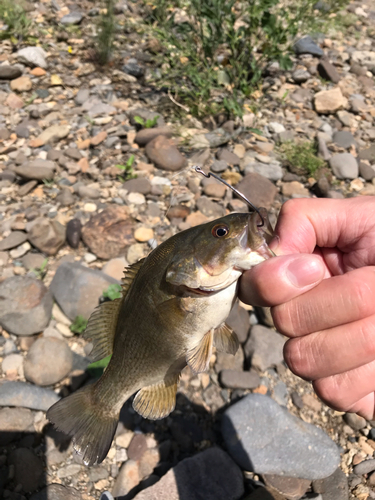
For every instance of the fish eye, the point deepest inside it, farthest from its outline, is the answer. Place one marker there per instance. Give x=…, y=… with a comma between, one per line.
x=220, y=231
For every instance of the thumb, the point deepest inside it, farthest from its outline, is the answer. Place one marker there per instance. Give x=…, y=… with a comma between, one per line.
x=280, y=279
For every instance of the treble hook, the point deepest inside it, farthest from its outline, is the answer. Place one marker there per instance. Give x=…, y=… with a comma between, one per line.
x=210, y=174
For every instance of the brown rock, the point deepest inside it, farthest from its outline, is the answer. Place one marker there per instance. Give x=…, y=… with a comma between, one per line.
x=163, y=152
x=213, y=188
x=258, y=189
x=52, y=134
x=127, y=479
x=46, y=235
x=38, y=71
x=143, y=234
x=116, y=268
x=327, y=71
x=137, y=447
x=14, y=102
x=312, y=402
x=236, y=379
x=294, y=187
x=15, y=239
x=139, y=185
x=99, y=138
x=329, y=101
x=21, y=84
x=109, y=233
x=146, y=135
x=196, y=218
x=291, y=488
x=178, y=212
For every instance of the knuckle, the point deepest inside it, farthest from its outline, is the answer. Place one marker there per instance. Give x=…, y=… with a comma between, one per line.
x=285, y=317
x=298, y=354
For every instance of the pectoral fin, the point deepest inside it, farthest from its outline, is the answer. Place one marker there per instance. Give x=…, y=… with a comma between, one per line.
x=101, y=329
x=199, y=358
x=158, y=400
x=225, y=340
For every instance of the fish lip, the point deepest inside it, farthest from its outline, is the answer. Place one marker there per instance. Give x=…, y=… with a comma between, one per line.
x=201, y=291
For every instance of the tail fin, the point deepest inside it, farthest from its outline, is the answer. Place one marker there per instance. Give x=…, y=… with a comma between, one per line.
x=91, y=426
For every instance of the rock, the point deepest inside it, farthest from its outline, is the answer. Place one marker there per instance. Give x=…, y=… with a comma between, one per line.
x=293, y=188
x=346, y=118
x=213, y=188
x=292, y=448
x=219, y=166
x=137, y=447
x=52, y=134
x=366, y=171
x=227, y=156
x=146, y=135
x=28, y=469
x=38, y=170
x=13, y=101
x=355, y=421
x=48, y=361
x=233, y=379
x=264, y=347
x=127, y=479
x=77, y=289
x=109, y=233
x=306, y=45
x=209, y=208
x=14, y=239
x=225, y=361
x=33, y=56
x=163, y=152
x=344, y=139
x=238, y=320
x=27, y=188
x=272, y=171
x=300, y=75
x=211, y=475
x=14, y=421
x=344, y=166
x=89, y=192
x=46, y=235
x=329, y=101
x=276, y=128
x=73, y=232
x=290, y=487
x=258, y=189
x=72, y=18
x=367, y=154
x=133, y=68
x=333, y=487
x=364, y=467
x=25, y=305
x=68, y=471
x=364, y=58
x=9, y=72
x=57, y=492
x=327, y=71
x=22, y=131
x=143, y=234
x=139, y=185
x=26, y=395
x=98, y=138
x=21, y=84
x=82, y=96
x=13, y=363
x=65, y=197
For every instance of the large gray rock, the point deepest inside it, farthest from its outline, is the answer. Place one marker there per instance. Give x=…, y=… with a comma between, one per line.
x=9, y=72
x=25, y=305
x=33, y=56
x=14, y=239
x=26, y=395
x=48, y=361
x=344, y=166
x=77, y=288
x=306, y=45
x=14, y=421
x=257, y=188
x=210, y=475
x=46, y=235
x=38, y=170
x=263, y=437
x=264, y=347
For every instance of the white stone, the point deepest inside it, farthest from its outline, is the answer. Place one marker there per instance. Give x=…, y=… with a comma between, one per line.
x=136, y=198
x=33, y=56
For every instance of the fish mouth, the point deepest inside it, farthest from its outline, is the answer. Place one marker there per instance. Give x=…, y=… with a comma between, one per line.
x=201, y=291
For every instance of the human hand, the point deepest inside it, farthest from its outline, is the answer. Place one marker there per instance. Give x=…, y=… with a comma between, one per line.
x=322, y=291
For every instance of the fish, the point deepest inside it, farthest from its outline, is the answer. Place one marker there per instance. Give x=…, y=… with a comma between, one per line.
x=171, y=314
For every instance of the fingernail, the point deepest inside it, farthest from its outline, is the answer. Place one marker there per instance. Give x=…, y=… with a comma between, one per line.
x=305, y=270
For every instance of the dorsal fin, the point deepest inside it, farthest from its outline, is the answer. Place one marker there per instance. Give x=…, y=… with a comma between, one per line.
x=101, y=328
x=129, y=274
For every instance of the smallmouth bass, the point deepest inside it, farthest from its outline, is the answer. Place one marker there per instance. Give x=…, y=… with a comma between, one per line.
x=171, y=314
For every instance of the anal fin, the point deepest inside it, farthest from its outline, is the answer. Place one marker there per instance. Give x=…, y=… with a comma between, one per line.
x=101, y=329
x=225, y=339
x=199, y=358
x=157, y=401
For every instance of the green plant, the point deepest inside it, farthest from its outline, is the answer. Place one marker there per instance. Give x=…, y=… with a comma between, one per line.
x=106, y=34
x=40, y=272
x=17, y=25
x=127, y=169
x=301, y=157
x=96, y=369
x=215, y=53
x=149, y=123
x=79, y=324
x=113, y=292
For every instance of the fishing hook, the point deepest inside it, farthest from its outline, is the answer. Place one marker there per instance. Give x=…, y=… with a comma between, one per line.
x=240, y=195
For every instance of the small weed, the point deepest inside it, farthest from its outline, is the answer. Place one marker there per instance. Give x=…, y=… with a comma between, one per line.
x=96, y=369
x=113, y=292
x=106, y=34
x=149, y=123
x=31, y=99
x=48, y=183
x=40, y=272
x=79, y=325
x=17, y=25
x=127, y=169
x=301, y=157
